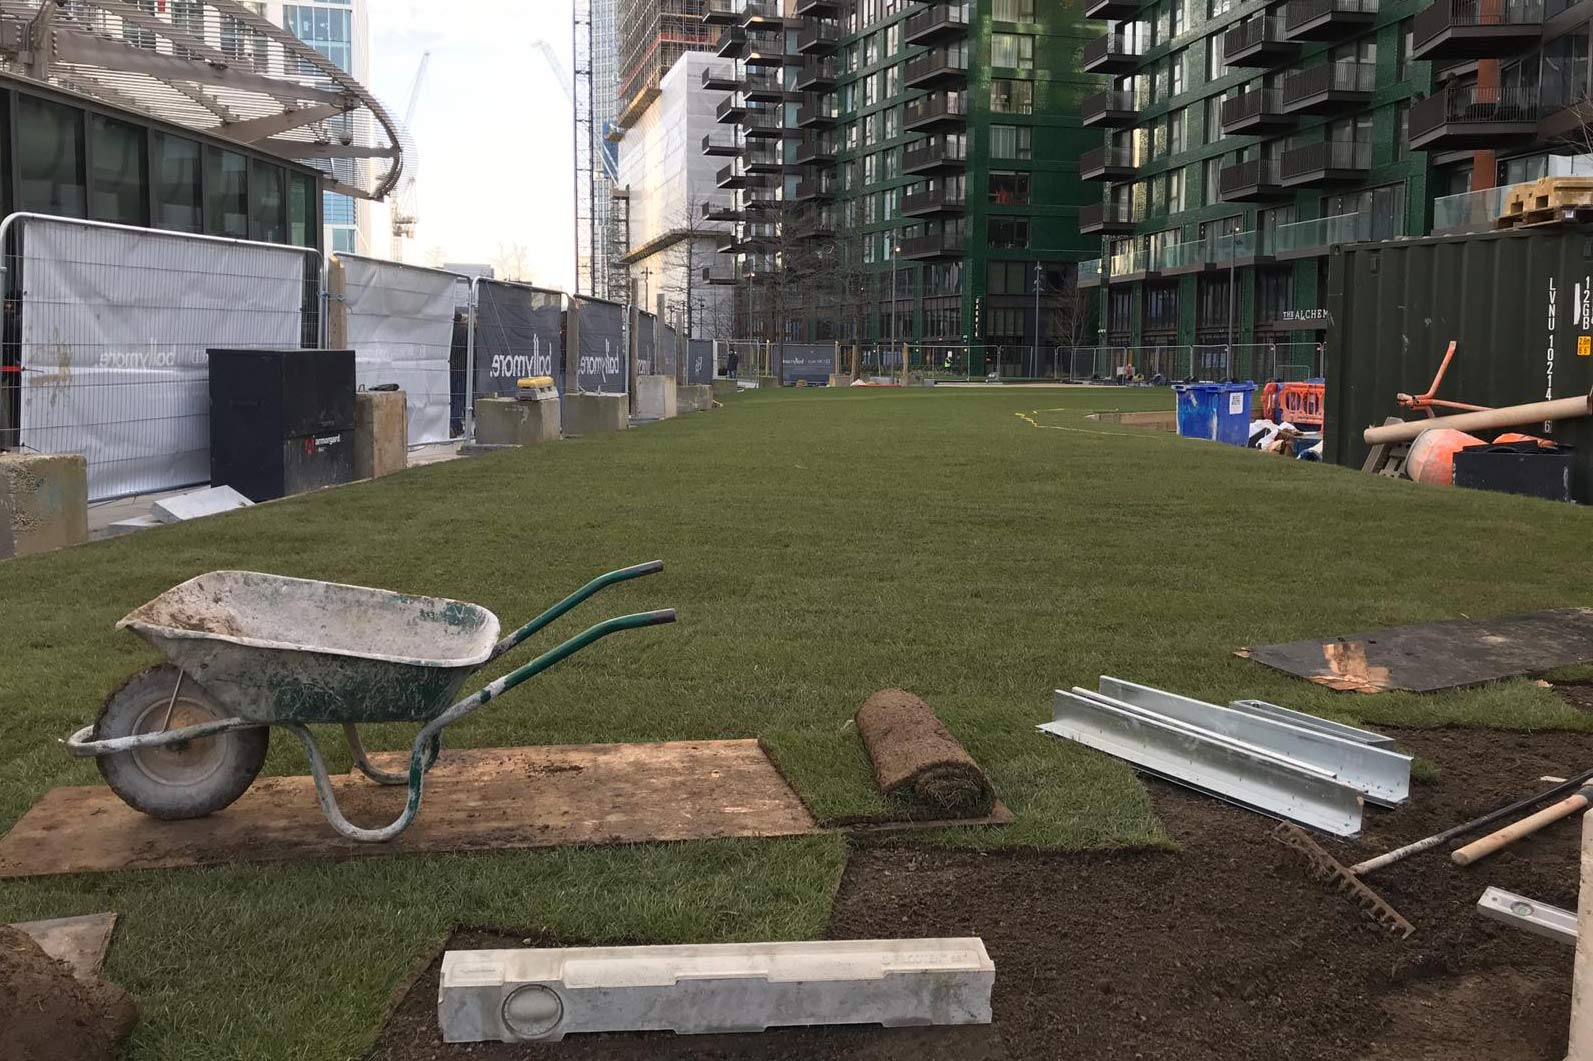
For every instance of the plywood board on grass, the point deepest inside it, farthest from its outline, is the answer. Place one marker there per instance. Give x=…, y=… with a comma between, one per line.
x=475, y=800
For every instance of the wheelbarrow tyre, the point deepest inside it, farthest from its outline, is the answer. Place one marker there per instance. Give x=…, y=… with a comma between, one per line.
x=175, y=782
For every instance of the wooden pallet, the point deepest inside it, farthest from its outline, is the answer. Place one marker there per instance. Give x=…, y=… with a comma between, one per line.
x=1544, y=200
x=1556, y=216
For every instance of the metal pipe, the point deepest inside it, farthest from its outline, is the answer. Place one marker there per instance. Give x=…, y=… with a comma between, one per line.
x=1508, y=416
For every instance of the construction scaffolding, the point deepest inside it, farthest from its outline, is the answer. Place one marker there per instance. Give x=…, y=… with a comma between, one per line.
x=654, y=34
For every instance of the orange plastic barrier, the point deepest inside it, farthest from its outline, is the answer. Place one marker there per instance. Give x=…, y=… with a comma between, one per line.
x=1301, y=404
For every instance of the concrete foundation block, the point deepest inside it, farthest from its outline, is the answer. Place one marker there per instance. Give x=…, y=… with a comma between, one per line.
x=381, y=434
x=512, y=422
x=524, y=995
x=593, y=414
x=198, y=503
x=655, y=397
x=694, y=398
x=725, y=388
x=43, y=502
x=767, y=381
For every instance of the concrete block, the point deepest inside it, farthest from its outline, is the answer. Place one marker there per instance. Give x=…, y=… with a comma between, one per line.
x=206, y=502
x=694, y=397
x=512, y=422
x=593, y=414
x=43, y=502
x=767, y=381
x=521, y=995
x=655, y=397
x=726, y=388
x=381, y=434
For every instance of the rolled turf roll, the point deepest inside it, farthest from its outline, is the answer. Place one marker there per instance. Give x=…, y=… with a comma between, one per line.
x=916, y=757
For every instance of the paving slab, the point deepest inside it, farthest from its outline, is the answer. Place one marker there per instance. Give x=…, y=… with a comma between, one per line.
x=198, y=503
x=545, y=994
x=81, y=942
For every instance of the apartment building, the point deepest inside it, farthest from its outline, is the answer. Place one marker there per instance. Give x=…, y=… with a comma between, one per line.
x=915, y=165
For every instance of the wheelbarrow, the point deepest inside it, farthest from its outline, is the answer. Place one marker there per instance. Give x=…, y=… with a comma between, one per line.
x=247, y=651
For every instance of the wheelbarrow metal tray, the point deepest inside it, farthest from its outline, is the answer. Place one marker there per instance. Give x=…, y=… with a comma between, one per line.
x=277, y=649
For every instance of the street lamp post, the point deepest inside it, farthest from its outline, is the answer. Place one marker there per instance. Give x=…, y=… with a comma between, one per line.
x=896, y=252
x=1039, y=282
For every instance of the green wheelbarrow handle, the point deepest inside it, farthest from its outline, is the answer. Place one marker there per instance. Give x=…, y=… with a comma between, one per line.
x=624, y=574
x=417, y=756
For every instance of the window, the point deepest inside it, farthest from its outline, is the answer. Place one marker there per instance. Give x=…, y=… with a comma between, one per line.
x=301, y=211
x=1209, y=179
x=177, y=204
x=50, y=157
x=1402, y=54
x=1216, y=63
x=1011, y=97
x=1161, y=307
x=1012, y=51
x=1178, y=131
x=1012, y=10
x=226, y=193
x=1402, y=129
x=1178, y=69
x=327, y=30
x=1218, y=7
x=1178, y=17
x=1009, y=233
x=269, y=200
x=1175, y=191
x=1007, y=278
x=1009, y=188
x=120, y=173
x=1011, y=141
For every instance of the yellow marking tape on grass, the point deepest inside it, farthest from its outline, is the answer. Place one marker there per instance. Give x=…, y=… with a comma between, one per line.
x=1029, y=418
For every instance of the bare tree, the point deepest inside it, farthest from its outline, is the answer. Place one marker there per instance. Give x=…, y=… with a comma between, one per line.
x=512, y=262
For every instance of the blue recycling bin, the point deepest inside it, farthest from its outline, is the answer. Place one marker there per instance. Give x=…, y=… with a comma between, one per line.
x=1216, y=412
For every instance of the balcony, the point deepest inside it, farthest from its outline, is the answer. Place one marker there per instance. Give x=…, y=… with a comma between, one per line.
x=763, y=161
x=720, y=275
x=1112, y=53
x=816, y=112
x=1108, y=110
x=816, y=75
x=763, y=88
x=1467, y=117
x=1236, y=248
x=731, y=109
x=1259, y=42
x=719, y=210
x=1113, y=10
x=1308, y=239
x=1107, y=164
x=1326, y=20
x=1325, y=163
x=1090, y=273
x=813, y=151
x=1475, y=29
x=731, y=177
x=726, y=242
x=937, y=24
x=1257, y=112
x=1105, y=219
x=1330, y=88
x=939, y=111
x=761, y=14
x=722, y=80
x=762, y=125
x=1477, y=211
x=941, y=68
x=936, y=153
x=815, y=190
x=939, y=200
x=1130, y=263
x=818, y=38
x=812, y=223
x=940, y=245
x=1181, y=258
x=818, y=8
x=723, y=144
x=732, y=42
x=721, y=12
x=1250, y=182
x=764, y=49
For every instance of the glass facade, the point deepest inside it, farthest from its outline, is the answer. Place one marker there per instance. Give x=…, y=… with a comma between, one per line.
x=328, y=26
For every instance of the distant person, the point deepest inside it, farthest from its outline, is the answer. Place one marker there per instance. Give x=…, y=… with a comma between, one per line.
x=732, y=363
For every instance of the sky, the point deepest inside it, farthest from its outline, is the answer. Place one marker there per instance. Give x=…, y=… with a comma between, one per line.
x=493, y=127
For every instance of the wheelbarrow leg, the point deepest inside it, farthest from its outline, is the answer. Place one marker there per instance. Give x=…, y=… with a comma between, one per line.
x=356, y=748
x=328, y=799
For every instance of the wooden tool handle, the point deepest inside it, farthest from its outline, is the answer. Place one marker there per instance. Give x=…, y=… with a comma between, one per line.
x=1478, y=849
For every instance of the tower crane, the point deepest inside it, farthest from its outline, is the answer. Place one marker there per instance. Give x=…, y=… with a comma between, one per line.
x=404, y=197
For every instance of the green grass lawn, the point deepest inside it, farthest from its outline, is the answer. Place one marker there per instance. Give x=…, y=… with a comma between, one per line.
x=820, y=545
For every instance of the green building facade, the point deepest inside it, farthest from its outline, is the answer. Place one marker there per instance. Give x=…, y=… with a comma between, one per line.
x=1242, y=140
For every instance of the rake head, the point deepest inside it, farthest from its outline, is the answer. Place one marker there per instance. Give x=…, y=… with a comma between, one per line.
x=1324, y=866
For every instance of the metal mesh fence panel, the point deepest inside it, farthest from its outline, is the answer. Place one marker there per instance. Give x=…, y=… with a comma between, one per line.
x=106, y=330
x=400, y=322
x=519, y=332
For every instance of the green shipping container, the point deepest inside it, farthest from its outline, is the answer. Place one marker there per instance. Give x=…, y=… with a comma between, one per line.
x=1519, y=303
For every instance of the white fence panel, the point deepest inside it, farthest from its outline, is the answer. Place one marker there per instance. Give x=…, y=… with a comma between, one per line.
x=401, y=327
x=114, y=326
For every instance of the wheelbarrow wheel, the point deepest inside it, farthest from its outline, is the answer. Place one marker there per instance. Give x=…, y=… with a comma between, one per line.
x=189, y=779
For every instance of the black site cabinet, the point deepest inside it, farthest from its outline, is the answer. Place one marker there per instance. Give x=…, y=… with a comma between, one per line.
x=281, y=421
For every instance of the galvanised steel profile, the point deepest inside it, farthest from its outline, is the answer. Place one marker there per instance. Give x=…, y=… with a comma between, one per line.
x=1229, y=769
x=1381, y=775
x=1300, y=718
